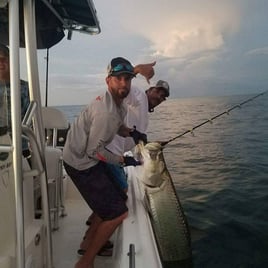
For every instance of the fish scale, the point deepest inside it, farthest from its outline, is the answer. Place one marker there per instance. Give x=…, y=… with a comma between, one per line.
x=167, y=217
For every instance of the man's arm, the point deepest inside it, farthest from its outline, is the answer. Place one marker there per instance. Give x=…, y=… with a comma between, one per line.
x=102, y=130
x=146, y=70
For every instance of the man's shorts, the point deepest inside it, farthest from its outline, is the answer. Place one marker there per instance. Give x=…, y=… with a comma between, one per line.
x=100, y=190
x=119, y=175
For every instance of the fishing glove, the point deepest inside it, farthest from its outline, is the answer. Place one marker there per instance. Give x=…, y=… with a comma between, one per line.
x=131, y=161
x=138, y=136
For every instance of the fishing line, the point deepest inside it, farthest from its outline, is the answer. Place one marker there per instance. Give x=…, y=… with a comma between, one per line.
x=213, y=118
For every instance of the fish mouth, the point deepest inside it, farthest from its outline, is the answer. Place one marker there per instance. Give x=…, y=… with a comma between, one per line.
x=153, y=149
x=153, y=146
x=150, y=150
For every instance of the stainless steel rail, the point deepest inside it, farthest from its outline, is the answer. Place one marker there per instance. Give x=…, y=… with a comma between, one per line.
x=27, y=120
x=131, y=255
x=38, y=163
x=16, y=129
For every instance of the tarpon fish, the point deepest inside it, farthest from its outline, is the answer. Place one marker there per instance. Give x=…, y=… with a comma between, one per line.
x=167, y=217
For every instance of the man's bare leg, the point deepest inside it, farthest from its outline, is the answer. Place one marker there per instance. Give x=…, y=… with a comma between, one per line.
x=103, y=232
x=95, y=222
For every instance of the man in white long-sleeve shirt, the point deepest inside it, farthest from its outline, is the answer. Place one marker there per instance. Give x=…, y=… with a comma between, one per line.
x=85, y=156
x=139, y=105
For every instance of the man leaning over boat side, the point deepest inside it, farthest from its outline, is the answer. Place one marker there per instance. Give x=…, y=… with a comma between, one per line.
x=139, y=105
x=85, y=155
x=5, y=93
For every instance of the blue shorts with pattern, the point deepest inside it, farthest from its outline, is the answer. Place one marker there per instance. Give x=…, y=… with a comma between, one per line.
x=100, y=190
x=119, y=175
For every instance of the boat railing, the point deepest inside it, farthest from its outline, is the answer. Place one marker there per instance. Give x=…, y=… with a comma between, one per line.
x=52, y=157
x=131, y=255
x=27, y=119
x=38, y=168
x=38, y=162
x=46, y=164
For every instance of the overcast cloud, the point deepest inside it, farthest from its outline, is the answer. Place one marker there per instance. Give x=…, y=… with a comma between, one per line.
x=202, y=47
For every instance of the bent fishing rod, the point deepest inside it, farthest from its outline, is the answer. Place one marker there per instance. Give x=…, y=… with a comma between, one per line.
x=213, y=118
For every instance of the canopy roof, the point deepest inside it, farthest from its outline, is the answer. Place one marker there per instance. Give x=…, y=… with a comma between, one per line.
x=53, y=17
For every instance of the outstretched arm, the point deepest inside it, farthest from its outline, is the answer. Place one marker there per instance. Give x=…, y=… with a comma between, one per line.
x=146, y=70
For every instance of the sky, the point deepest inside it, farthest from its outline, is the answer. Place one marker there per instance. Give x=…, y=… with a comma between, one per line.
x=201, y=48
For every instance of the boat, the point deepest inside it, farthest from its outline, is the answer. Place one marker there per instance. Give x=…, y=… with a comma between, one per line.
x=43, y=217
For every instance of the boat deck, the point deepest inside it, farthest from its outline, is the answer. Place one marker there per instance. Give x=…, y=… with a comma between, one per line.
x=135, y=230
x=67, y=238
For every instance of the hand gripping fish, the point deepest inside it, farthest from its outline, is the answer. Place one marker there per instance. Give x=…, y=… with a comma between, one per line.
x=166, y=214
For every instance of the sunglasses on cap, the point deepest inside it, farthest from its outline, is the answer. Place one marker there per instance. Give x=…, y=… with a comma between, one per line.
x=122, y=67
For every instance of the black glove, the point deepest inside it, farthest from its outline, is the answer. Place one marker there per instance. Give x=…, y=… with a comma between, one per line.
x=131, y=161
x=138, y=136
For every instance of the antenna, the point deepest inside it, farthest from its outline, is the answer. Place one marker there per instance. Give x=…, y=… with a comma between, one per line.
x=47, y=59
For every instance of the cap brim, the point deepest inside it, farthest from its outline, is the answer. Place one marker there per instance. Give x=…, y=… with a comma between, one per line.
x=122, y=72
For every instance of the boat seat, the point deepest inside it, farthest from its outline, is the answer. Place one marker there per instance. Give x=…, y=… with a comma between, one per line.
x=53, y=121
x=54, y=174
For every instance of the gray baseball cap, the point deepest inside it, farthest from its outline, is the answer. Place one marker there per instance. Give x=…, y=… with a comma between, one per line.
x=164, y=85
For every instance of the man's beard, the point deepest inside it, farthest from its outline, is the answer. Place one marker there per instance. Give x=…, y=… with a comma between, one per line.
x=123, y=93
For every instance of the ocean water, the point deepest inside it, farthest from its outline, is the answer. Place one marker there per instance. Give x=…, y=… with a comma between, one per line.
x=220, y=172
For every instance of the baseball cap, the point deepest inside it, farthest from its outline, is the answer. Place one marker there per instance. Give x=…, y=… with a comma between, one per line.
x=119, y=66
x=164, y=85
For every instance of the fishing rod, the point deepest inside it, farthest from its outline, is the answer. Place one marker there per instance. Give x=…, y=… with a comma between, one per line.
x=214, y=117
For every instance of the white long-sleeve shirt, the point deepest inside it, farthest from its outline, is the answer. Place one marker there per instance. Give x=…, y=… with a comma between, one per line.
x=137, y=115
x=91, y=131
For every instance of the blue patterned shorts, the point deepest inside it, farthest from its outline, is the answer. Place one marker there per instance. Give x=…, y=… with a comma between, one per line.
x=100, y=190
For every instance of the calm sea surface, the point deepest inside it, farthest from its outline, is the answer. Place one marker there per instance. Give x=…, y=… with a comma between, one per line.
x=220, y=173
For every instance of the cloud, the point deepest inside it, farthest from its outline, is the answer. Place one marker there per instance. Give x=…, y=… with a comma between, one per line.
x=203, y=47
x=75, y=89
x=178, y=30
x=258, y=51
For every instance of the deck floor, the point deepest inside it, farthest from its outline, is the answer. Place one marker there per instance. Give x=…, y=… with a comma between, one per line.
x=67, y=238
x=136, y=230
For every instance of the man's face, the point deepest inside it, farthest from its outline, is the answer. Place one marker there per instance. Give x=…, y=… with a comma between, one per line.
x=155, y=97
x=4, y=66
x=119, y=85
